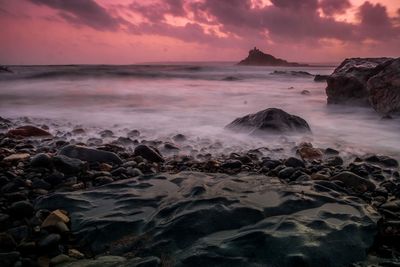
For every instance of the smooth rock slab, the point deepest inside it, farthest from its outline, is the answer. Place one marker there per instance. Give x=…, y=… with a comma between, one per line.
x=104, y=261
x=240, y=220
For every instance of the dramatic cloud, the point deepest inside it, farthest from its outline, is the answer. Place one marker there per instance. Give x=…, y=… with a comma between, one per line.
x=208, y=20
x=336, y=26
x=333, y=7
x=375, y=22
x=83, y=12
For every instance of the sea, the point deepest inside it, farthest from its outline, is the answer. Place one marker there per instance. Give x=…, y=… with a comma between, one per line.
x=194, y=99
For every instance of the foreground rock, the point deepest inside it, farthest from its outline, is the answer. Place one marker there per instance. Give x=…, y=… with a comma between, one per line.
x=89, y=154
x=384, y=89
x=206, y=220
x=366, y=81
x=271, y=120
x=28, y=131
x=148, y=153
x=257, y=58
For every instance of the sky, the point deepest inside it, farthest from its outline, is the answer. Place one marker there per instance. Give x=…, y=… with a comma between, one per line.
x=137, y=31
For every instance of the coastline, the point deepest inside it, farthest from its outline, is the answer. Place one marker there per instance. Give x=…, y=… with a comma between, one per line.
x=34, y=185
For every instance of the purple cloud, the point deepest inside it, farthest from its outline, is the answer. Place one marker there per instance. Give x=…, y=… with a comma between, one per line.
x=83, y=12
x=239, y=20
x=375, y=22
x=332, y=7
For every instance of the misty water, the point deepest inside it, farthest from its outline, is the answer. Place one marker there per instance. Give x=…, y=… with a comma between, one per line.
x=195, y=100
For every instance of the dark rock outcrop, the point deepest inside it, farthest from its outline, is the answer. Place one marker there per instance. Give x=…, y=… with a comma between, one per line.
x=384, y=88
x=271, y=120
x=320, y=78
x=257, y=58
x=348, y=83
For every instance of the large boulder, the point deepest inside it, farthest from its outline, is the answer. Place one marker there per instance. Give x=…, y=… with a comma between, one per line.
x=384, y=88
x=271, y=120
x=89, y=154
x=348, y=83
x=221, y=220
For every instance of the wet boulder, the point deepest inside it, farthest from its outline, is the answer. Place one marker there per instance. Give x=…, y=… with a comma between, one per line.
x=68, y=165
x=348, y=83
x=28, y=131
x=89, y=154
x=148, y=153
x=384, y=88
x=354, y=181
x=271, y=120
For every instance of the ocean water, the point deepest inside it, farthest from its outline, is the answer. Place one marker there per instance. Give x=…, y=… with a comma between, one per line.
x=197, y=100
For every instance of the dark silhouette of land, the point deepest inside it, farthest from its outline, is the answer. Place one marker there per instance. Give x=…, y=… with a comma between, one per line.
x=258, y=58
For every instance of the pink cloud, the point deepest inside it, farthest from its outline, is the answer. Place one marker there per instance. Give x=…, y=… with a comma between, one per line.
x=304, y=28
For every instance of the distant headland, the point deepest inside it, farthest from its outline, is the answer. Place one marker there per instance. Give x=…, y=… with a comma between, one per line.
x=258, y=58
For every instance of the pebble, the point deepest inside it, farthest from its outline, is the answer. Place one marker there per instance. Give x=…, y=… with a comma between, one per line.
x=73, y=253
x=148, y=153
x=55, y=178
x=41, y=160
x=102, y=180
x=105, y=167
x=49, y=242
x=308, y=152
x=331, y=151
x=17, y=157
x=9, y=259
x=68, y=165
x=133, y=133
x=7, y=242
x=133, y=172
x=28, y=131
x=294, y=162
x=21, y=209
x=90, y=154
x=286, y=173
x=106, y=133
x=179, y=138
x=354, y=181
x=59, y=259
x=383, y=160
x=232, y=164
x=334, y=161
x=57, y=219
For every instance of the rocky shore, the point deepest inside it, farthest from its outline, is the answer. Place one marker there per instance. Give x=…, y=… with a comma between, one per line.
x=366, y=81
x=71, y=199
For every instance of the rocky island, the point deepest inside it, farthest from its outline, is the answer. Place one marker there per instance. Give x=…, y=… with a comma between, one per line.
x=258, y=58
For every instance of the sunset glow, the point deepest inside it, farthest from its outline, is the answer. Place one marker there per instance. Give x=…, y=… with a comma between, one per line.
x=128, y=31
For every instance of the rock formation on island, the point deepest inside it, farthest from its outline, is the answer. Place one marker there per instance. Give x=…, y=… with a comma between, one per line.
x=366, y=81
x=258, y=58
